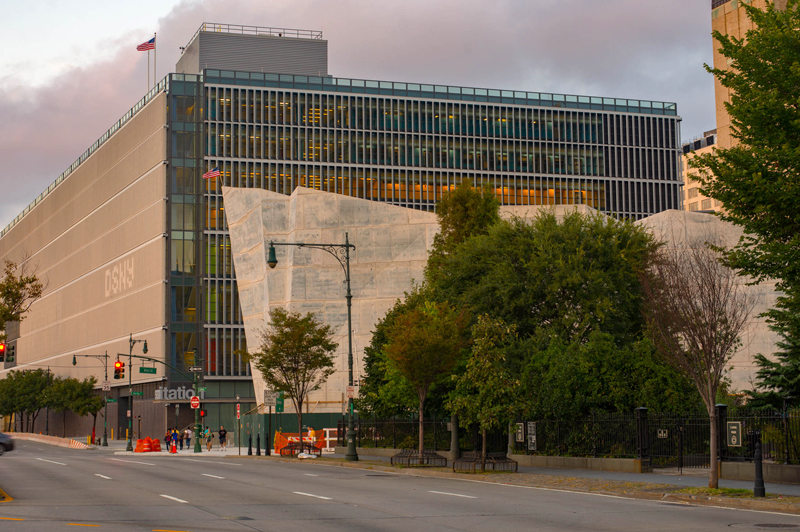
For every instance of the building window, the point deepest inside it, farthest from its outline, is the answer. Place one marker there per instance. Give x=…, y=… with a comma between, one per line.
x=693, y=206
x=692, y=193
x=706, y=204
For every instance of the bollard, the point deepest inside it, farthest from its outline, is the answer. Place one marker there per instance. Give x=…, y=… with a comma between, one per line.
x=758, y=489
x=258, y=444
x=250, y=445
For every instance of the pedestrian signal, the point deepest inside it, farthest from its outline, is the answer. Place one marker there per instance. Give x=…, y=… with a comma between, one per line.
x=202, y=413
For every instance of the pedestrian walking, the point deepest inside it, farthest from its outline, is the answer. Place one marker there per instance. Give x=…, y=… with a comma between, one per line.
x=167, y=438
x=180, y=438
x=223, y=438
x=209, y=436
x=188, y=437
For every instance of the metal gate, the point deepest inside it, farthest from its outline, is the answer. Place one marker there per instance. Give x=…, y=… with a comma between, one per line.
x=679, y=441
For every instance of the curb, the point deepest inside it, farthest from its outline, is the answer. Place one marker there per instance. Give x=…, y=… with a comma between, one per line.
x=658, y=496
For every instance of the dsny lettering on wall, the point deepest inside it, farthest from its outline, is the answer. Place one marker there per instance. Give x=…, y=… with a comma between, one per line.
x=119, y=278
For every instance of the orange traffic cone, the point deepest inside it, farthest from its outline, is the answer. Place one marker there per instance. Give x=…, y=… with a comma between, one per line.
x=173, y=448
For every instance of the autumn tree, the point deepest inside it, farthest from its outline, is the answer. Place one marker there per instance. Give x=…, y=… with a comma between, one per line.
x=486, y=394
x=424, y=345
x=295, y=356
x=19, y=289
x=697, y=308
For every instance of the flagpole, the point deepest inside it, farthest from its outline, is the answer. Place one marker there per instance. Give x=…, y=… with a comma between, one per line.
x=155, y=60
x=148, y=72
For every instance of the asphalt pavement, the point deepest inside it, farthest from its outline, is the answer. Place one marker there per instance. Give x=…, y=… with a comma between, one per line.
x=56, y=489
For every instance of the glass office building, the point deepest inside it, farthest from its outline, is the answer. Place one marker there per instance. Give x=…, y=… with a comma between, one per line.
x=396, y=142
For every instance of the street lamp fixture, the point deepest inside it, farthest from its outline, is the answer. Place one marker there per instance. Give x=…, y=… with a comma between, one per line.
x=131, y=343
x=104, y=443
x=341, y=252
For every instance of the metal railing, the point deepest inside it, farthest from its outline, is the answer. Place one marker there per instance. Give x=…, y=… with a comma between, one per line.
x=255, y=30
x=716, y=3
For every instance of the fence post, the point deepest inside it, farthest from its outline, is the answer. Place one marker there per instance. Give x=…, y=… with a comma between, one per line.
x=722, y=426
x=642, y=437
x=394, y=435
x=455, y=448
x=375, y=434
x=434, y=433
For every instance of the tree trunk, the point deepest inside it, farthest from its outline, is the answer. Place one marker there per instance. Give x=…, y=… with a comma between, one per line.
x=421, y=429
x=299, y=405
x=483, y=451
x=64, y=425
x=713, y=472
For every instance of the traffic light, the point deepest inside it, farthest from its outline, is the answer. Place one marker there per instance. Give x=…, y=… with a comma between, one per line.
x=2, y=352
x=118, y=369
x=122, y=370
x=202, y=413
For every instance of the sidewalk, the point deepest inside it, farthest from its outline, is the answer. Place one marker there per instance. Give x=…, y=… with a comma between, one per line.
x=691, y=478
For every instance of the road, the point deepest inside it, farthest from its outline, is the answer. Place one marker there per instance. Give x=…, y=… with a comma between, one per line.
x=57, y=489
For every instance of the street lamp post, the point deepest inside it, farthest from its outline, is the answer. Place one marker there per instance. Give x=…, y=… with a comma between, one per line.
x=341, y=252
x=105, y=392
x=131, y=343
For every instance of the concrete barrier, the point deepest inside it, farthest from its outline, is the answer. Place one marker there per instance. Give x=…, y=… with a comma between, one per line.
x=780, y=473
x=49, y=440
x=622, y=465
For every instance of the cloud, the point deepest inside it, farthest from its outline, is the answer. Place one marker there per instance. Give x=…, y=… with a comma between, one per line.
x=617, y=48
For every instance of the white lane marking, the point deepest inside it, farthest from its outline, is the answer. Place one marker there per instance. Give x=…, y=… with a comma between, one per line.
x=453, y=494
x=43, y=460
x=102, y=476
x=311, y=495
x=212, y=476
x=174, y=498
x=130, y=461
x=310, y=475
x=210, y=462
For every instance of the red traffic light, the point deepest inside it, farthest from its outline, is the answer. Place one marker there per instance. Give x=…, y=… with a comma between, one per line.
x=118, y=365
x=2, y=348
x=202, y=413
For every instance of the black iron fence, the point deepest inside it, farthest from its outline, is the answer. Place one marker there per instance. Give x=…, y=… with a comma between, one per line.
x=666, y=440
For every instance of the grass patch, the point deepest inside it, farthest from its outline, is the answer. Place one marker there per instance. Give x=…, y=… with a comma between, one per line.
x=718, y=492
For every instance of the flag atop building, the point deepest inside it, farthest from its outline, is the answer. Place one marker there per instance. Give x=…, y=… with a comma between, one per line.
x=148, y=45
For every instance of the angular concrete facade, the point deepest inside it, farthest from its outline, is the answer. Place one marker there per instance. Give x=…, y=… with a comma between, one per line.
x=681, y=229
x=392, y=245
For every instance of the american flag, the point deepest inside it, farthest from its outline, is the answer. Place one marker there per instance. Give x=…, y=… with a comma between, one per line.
x=149, y=45
x=212, y=173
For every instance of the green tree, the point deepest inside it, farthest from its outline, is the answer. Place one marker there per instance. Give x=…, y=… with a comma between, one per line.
x=565, y=278
x=85, y=401
x=19, y=289
x=486, y=394
x=424, y=345
x=295, y=356
x=59, y=397
x=757, y=180
x=462, y=213
x=25, y=393
x=777, y=383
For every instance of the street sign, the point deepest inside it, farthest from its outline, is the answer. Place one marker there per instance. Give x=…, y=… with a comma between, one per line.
x=106, y=387
x=195, y=402
x=734, y=433
x=520, y=435
x=202, y=389
x=196, y=369
x=279, y=403
x=663, y=434
x=129, y=413
x=351, y=392
x=531, y=435
x=111, y=400
x=238, y=411
x=147, y=370
x=137, y=393
x=270, y=397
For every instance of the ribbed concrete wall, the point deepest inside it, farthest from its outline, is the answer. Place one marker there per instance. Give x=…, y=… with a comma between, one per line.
x=96, y=241
x=255, y=53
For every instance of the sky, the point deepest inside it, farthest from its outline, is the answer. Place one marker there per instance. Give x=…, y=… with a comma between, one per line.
x=70, y=69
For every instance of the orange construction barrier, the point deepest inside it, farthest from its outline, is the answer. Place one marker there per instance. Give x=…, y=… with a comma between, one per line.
x=139, y=446
x=148, y=445
x=282, y=439
x=156, y=446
